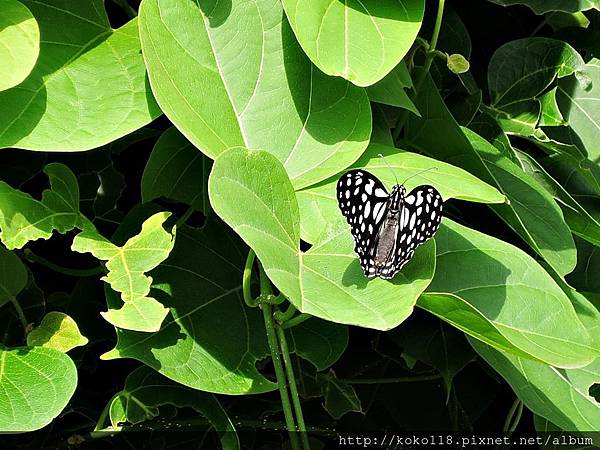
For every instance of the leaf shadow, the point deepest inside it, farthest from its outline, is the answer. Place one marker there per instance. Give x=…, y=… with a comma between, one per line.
x=217, y=11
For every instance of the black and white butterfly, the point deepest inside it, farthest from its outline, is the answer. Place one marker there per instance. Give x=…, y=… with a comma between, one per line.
x=387, y=228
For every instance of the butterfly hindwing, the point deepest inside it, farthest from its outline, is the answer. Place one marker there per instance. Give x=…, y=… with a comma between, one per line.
x=362, y=198
x=420, y=218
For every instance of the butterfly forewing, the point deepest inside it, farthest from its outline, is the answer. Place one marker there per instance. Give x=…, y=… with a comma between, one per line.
x=366, y=204
x=363, y=201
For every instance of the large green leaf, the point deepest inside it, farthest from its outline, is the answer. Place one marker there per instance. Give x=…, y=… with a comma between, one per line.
x=13, y=275
x=200, y=283
x=543, y=6
x=520, y=71
x=579, y=106
x=264, y=92
x=35, y=386
x=145, y=390
x=176, y=170
x=359, y=40
x=532, y=212
x=503, y=284
x=561, y=396
x=319, y=212
x=19, y=43
x=24, y=219
x=326, y=281
x=87, y=88
x=127, y=266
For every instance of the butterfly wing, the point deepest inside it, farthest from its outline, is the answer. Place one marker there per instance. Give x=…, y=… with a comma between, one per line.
x=420, y=218
x=363, y=200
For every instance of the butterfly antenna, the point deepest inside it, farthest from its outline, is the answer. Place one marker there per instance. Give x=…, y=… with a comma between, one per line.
x=419, y=173
x=389, y=167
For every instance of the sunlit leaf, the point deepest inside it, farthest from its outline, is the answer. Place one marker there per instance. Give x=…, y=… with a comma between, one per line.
x=58, y=331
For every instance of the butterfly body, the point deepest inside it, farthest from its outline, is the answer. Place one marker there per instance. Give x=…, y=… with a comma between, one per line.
x=387, y=228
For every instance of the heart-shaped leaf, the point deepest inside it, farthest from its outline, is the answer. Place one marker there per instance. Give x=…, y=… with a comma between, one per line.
x=58, y=331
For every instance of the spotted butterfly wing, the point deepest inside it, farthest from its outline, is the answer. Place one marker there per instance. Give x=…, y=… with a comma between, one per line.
x=363, y=200
x=387, y=228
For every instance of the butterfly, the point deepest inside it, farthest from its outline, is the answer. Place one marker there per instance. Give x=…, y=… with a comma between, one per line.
x=387, y=227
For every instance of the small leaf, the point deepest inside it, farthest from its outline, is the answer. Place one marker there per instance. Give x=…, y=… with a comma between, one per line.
x=127, y=266
x=19, y=43
x=361, y=41
x=457, y=63
x=24, y=219
x=13, y=275
x=57, y=331
x=145, y=390
x=340, y=397
x=176, y=170
x=391, y=90
x=37, y=385
x=559, y=395
x=550, y=113
x=320, y=342
x=87, y=88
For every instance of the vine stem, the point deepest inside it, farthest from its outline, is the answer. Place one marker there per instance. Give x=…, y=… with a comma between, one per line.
x=20, y=313
x=247, y=280
x=295, y=320
x=513, y=417
x=32, y=257
x=430, y=55
x=293, y=388
x=280, y=375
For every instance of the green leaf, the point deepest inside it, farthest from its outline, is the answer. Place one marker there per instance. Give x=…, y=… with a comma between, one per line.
x=145, y=390
x=19, y=43
x=559, y=20
x=361, y=41
x=520, y=71
x=320, y=342
x=457, y=63
x=390, y=90
x=340, y=397
x=319, y=211
x=37, y=385
x=24, y=219
x=531, y=211
x=539, y=322
x=264, y=92
x=174, y=171
x=585, y=276
x=559, y=395
x=550, y=112
x=579, y=105
x=13, y=275
x=543, y=6
x=327, y=280
x=57, y=331
x=200, y=282
x=87, y=88
x=127, y=266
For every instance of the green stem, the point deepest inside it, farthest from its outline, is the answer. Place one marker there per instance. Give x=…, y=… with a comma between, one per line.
x=280, y=375
x=295, y=320
x=247, y=280
x=265, y=284
x=431, y=52
x=513, y=417
x=284, y=316
x=20, y=313
x=184, y=218
x=293, y=388
x=392, y=380
x=32, y=257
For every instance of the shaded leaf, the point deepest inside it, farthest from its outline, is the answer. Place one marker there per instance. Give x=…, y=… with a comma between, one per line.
x=320, y=342
x=176, y=170
x=145, y=390
x=80, y=94
x=361, y=41
x=193, y=347
x=37, y=385
x=58, y=331
x=543, y=6
x=340, y=397
x=19, y=43
x=265, y=95
x=13, y=275
x=391, y=89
